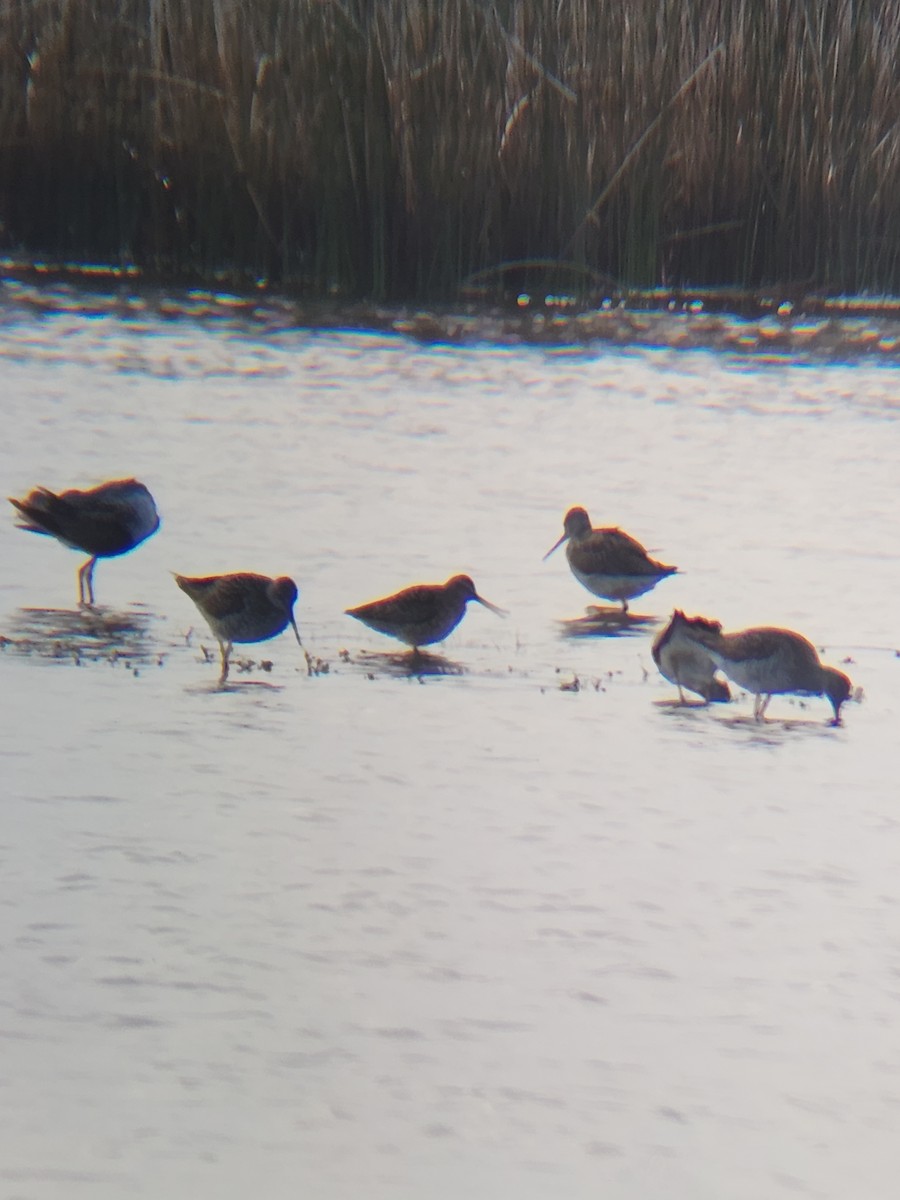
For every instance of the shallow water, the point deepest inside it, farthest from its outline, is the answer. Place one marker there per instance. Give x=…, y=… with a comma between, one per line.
x=518, y=925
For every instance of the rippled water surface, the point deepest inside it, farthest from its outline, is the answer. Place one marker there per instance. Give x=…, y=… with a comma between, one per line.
x=517, y=925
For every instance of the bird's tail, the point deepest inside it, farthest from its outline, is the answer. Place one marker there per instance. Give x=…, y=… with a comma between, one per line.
x=40, y=512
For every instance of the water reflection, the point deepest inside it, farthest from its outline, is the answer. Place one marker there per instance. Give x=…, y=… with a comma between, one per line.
x=410, y=665
x=771, y=730
x=85, y=635
x=607, y=622
x=233, y=686
x=674, y=703
x=244, y=665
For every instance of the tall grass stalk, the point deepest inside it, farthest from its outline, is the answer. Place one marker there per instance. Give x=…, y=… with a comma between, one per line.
x=396, y=148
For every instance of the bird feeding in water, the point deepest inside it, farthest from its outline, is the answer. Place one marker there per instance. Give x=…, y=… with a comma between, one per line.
x=608, y=562
x=424, y=613
x=768, y=661
x=243, y=608
x=103, y=522
x=687, y=664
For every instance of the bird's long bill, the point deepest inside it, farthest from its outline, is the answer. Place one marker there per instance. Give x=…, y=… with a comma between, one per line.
x=555, y=546
x=501, y=612
x=296, y=630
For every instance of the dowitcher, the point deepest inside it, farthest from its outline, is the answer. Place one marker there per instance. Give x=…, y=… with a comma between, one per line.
x=768, y=662
x=103, y=522
x=684, y=662
x=609, y=563
x=243, y=608
x=424, y=613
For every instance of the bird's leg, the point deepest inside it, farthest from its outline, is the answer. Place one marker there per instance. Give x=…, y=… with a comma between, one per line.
x=86, y=584
x=681, y=699
x=226, y=653
x=310, y=665
x=759, y=705
x=624, y=607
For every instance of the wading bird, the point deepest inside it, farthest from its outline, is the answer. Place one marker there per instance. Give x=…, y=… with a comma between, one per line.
x=243, y=608
x=768, y=662
x=104, y=522
x=687, y=664
x=424, y=613
x=608, y=562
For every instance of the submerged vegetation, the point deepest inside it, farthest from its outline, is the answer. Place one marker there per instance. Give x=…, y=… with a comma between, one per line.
x=425, y=148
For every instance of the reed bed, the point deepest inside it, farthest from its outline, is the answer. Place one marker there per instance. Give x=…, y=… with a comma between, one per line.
x=413, y=148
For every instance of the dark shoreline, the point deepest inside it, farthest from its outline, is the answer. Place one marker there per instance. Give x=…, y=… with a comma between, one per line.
x=752, y=323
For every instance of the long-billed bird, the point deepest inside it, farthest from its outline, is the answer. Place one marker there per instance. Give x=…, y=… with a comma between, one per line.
x=243, y=608
x=424, y=613
x=608, y=562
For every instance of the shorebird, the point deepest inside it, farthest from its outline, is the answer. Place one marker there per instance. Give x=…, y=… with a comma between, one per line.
x=684, y=662
x=424, y=613
x=243, y=608
x=103, y=522
x=608, y=562
x=768, y=662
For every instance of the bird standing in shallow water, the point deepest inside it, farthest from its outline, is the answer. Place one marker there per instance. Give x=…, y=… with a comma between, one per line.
x=104, y=522
x=684, y=662
x=608, y=562
x=424, y=613
x=768, y=661
x=243, y=608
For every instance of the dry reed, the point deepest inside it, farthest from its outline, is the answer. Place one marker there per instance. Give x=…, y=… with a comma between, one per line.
x=398, y=148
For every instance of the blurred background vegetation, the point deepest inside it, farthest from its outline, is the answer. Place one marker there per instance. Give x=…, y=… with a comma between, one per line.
x=405, y=149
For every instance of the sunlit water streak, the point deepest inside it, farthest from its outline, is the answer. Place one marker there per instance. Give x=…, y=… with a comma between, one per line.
x=513, y=924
